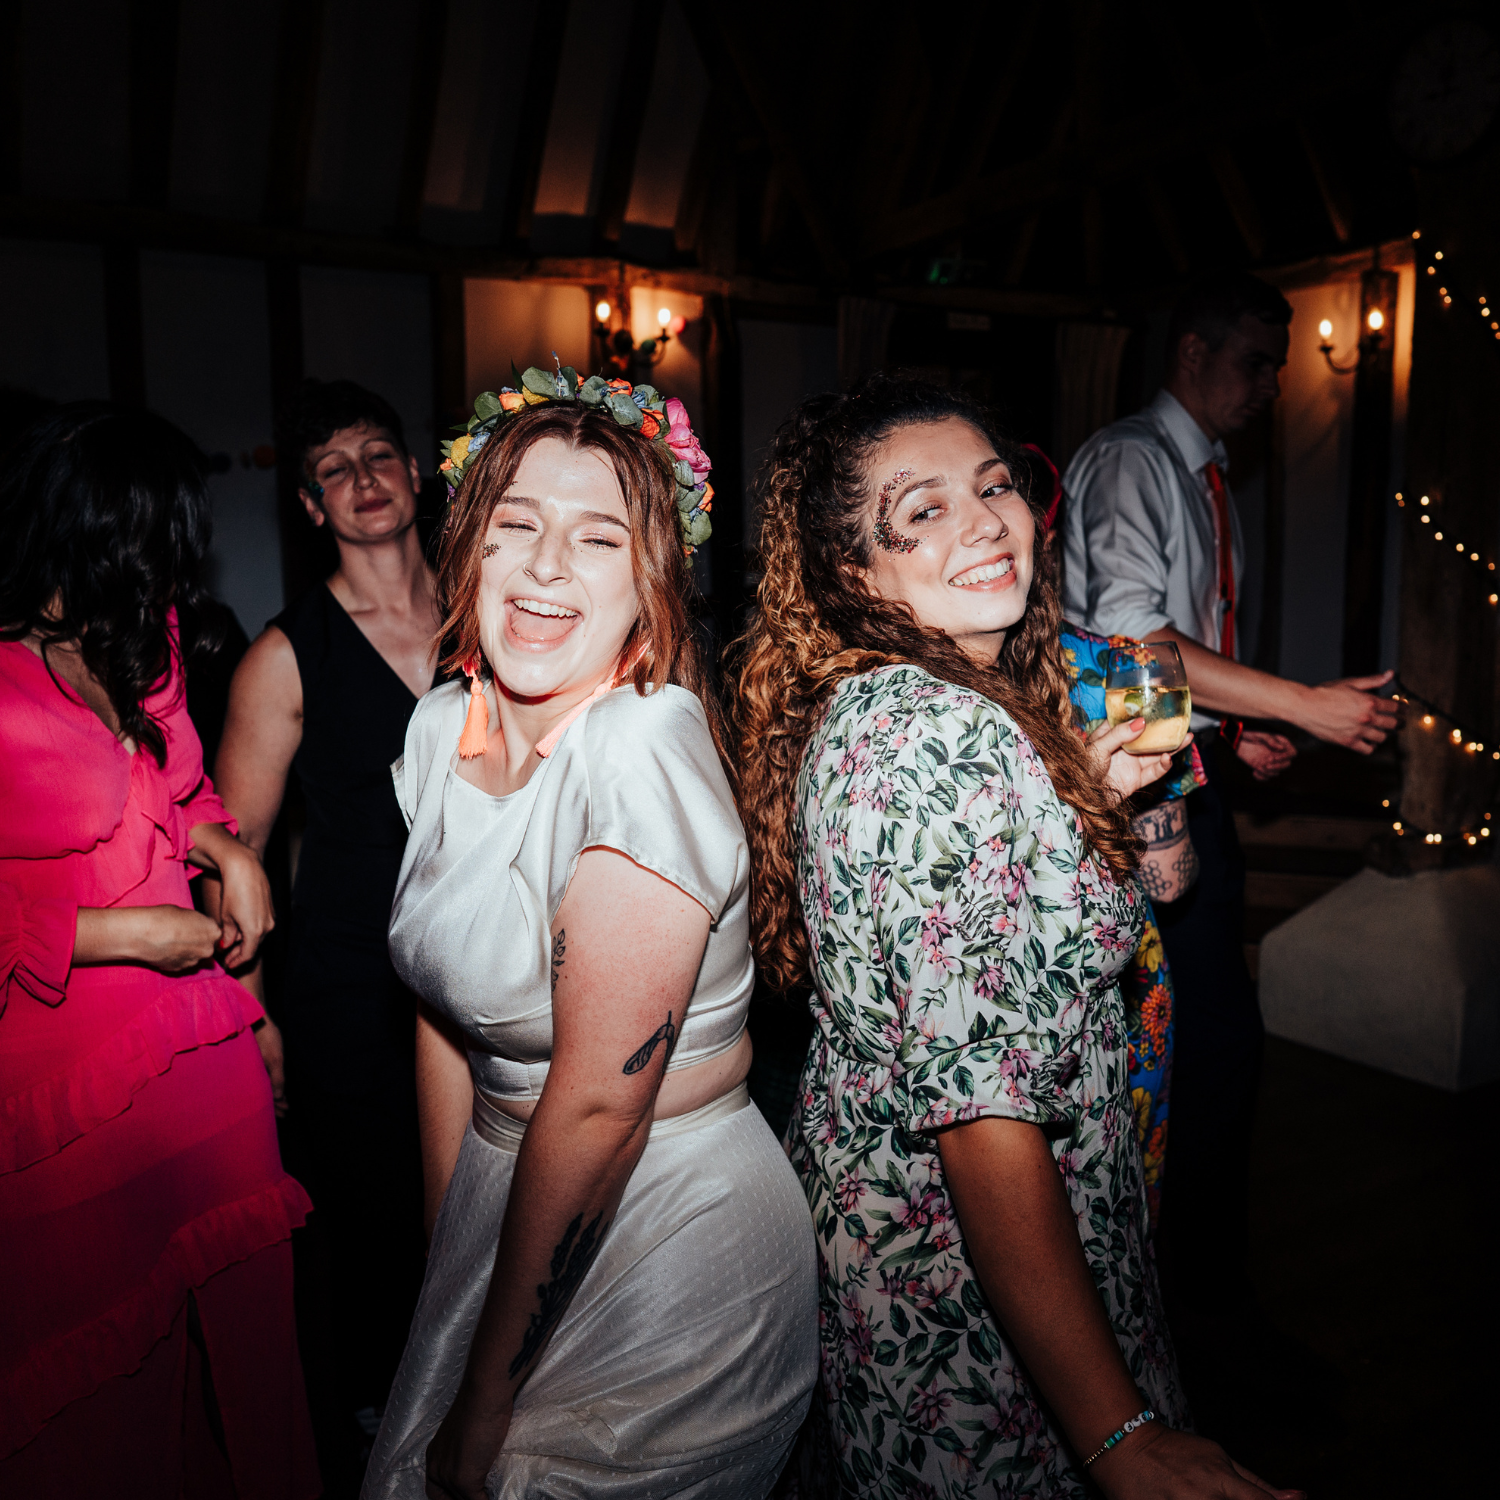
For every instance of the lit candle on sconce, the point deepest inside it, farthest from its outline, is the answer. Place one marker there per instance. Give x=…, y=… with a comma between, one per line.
x=601, y=312
x=1376, y=320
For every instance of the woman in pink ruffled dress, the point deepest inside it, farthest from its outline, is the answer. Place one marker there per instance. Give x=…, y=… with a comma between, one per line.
x=146, y=1337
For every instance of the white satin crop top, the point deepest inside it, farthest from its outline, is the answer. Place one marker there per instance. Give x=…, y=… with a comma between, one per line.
x=483, y=877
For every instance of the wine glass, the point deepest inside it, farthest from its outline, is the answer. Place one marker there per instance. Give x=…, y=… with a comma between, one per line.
x=1147, y=681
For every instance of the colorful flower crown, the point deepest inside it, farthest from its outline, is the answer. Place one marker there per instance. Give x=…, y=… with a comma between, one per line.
x=641, y=408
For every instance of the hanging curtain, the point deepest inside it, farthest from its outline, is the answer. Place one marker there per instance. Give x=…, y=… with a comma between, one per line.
x=1088, y=384
x=864, y=333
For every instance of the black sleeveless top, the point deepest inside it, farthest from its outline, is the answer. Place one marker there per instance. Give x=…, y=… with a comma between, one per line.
x=349, y=1020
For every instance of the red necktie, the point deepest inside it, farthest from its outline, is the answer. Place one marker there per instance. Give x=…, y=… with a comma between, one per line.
x=1216, y=487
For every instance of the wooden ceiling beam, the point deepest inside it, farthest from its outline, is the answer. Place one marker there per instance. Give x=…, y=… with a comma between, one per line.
x=999, y=98
x=1003, y=300
x=1168, y=230
x=1337, y=203
x=153, y=98
x=636, y=76
x=12, y=97
x=127, y=225
x=1148, y=140
x=299, y=48
x=421, y=113
x=724, y=24
x=549, y=24
x=1241, y=201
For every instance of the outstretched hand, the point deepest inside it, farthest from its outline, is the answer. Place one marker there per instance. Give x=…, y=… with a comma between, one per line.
x=1349, y=712
x=1124, y=772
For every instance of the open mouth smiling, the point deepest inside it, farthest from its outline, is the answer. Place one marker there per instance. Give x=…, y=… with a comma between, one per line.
x=986, y=573
x=542, y=607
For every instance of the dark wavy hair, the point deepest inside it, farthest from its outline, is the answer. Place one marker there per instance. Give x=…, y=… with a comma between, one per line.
x=104, y=527
x=818, y=622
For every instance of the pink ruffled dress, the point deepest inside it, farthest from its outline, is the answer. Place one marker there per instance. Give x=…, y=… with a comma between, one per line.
x=138, y=1159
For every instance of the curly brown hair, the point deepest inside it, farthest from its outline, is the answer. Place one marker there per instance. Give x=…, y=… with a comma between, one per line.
x=664, y=628
x=817, y=623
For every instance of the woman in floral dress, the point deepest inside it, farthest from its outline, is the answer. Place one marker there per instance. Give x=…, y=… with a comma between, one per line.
x=953, y=863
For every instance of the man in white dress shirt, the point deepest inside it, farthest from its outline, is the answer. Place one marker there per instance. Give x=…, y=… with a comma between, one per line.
x=1153, y=550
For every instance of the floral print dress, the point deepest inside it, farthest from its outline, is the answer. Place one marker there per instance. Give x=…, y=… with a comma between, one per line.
x=1146, y=983
x=965, y=960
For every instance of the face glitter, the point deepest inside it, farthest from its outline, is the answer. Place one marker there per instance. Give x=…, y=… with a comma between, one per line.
x=490, y=549
x=886, y=536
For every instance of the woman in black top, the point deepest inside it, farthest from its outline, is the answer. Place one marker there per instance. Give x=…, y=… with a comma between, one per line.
x=326, y=693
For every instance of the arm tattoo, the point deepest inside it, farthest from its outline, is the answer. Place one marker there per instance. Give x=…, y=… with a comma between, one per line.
x=559, y=948
x=638, y=1059
x=1171, y=863
x=571, y=1260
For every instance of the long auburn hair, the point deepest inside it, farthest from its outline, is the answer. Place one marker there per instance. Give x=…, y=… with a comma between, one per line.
x=669, y=649
x=104, y=529
x=817, y=623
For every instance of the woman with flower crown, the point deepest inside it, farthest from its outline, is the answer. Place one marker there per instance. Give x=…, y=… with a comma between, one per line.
x=620, y=1295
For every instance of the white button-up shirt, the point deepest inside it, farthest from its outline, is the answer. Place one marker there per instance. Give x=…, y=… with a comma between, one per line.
x=1140, y=545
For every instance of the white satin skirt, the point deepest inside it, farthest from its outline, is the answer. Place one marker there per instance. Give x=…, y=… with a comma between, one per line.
x=686, y=1360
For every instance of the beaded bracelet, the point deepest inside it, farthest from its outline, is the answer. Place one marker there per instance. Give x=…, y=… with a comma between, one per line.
x=1146, y=1416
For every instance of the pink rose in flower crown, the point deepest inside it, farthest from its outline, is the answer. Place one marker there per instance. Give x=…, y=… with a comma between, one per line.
x=683, y=444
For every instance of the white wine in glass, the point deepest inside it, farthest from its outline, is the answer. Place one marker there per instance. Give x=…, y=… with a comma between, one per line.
x=1148, y=682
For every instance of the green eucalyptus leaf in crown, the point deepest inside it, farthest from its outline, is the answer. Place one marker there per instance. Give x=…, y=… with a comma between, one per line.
x=639, y=408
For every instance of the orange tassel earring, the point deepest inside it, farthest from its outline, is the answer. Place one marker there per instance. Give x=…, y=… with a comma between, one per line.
x=476, y=733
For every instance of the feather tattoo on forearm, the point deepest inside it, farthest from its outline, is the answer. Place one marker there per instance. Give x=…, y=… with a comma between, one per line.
x=638, y=1059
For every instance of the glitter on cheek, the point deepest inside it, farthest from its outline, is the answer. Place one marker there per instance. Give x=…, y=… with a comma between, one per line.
x=490, y=549
x=886, y=536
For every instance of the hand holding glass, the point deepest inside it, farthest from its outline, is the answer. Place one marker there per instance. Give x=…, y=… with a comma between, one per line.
x=1149, y=682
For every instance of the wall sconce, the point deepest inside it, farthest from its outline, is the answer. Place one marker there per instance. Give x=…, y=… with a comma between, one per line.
x=620, y=356
x=1377, y=306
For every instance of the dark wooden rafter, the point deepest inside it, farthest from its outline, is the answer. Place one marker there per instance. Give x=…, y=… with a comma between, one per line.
x=1020, y=253
x=998, y=100
x=549, y=27
x=724, y=47
x=1238, y=198
x=1337, y=203
x=893, y=138
x=299, y=48
x=1087, y=25
x=772, y=205
x=623, y=141
x=1243, y=208
x=78, y=221
x=153, y=98
x=12, y=96
x=698, y=182
x=421, y=112
x=1164, y=217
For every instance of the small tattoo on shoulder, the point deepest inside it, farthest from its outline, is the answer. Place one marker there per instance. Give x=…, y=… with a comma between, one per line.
x=559, y=950
x=638, y=1059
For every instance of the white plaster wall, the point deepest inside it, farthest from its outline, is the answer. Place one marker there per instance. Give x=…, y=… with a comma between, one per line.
x=1319, y=410
x=208, y=368
x=522, y=322
x=374, y=327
